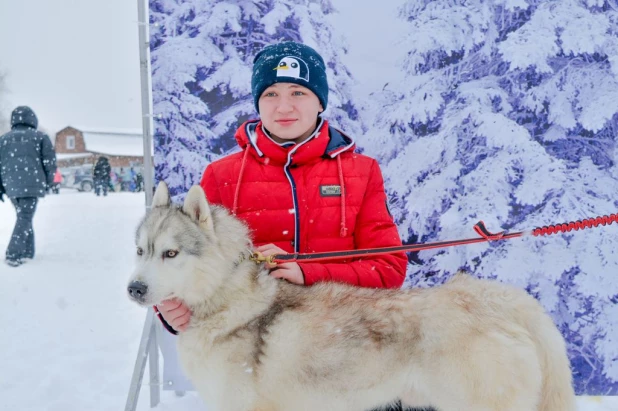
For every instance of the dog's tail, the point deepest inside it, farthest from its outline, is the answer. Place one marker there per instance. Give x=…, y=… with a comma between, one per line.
x=557, y=390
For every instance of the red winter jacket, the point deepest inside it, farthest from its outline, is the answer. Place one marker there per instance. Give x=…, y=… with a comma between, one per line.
x=315, y=196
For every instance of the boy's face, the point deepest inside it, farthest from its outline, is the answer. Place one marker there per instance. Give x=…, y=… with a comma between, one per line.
x=289, y=111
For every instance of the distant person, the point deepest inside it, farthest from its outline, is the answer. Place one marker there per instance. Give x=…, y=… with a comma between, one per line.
x=126, y=180
x=132, y=180
x=120, y=177
x=139, y=182
x=27, y=168
x=57, y=180
x=102, y=176
x=113, y=179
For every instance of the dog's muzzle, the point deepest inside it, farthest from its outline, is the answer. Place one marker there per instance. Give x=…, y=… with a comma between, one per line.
x=137, y=291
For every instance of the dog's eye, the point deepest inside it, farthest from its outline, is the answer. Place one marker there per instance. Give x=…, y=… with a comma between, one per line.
x=140, y=251
x=171, y=253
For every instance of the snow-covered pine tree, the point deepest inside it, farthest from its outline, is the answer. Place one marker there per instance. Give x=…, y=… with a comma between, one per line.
x=506, y=112
x=202, y=54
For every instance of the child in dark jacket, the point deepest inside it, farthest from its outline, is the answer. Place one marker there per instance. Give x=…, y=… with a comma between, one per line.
x=27, y=168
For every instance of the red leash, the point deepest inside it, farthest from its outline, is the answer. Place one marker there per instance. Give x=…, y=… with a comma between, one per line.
x=481, y=230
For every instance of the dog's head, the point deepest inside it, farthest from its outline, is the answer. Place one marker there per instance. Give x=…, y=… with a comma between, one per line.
x=185, y=251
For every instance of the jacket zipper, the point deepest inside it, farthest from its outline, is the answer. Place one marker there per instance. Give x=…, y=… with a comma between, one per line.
x=288, y=174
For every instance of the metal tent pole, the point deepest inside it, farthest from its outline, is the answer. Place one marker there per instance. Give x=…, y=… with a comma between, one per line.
x=145, y=75
x=148, y=348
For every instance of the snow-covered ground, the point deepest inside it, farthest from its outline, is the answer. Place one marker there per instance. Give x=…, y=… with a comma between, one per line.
x=70, y=334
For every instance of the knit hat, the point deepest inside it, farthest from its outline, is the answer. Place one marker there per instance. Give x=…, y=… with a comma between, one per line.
x=289, y=62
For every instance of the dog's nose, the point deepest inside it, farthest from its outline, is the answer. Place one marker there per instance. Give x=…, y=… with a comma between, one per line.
x=138, y=290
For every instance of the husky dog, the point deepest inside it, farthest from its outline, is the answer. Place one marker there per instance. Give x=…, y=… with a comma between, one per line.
x=256, y=343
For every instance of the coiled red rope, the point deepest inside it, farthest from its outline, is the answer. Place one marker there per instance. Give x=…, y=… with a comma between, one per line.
x=481, y=230
x=576, y=225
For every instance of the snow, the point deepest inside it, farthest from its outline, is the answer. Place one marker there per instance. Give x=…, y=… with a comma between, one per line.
x=118, y=144
x=68, y=156
x=71, y=334
x=109, y=130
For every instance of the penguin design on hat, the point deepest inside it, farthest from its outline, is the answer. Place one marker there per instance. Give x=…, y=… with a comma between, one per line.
x=289, y=62
x=292, y=67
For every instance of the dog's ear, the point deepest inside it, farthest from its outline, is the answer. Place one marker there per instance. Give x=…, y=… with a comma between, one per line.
x=196, y=207
x=161, y=196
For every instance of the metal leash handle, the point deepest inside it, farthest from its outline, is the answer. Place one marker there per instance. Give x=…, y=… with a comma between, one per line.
x=259, y=258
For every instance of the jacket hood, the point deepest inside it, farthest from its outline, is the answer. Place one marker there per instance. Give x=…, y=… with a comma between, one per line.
x=23, y=115
x=339, y=143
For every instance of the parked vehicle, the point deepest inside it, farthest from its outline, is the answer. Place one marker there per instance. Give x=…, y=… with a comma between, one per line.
x=79, y=178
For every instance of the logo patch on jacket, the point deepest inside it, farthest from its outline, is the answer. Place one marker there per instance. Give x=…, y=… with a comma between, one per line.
x=330, y=191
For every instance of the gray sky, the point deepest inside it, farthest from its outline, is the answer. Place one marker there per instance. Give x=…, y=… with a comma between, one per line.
x=75, y=62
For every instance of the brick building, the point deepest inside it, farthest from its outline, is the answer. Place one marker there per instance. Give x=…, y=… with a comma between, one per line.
x=77, y=150
x=75, y=147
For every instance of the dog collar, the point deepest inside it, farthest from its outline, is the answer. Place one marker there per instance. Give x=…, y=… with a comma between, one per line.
x=244, y=256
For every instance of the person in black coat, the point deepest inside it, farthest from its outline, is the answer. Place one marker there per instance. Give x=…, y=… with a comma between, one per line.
x=27, y=168
x=101, y=176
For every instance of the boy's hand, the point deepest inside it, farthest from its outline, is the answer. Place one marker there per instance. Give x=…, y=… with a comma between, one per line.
x=287, y=271
x=175, y=313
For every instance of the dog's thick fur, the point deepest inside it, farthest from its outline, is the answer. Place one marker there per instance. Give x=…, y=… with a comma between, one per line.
x=257, y=343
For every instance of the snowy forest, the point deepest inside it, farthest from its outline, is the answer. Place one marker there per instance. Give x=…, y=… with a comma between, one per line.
x=504, y=111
